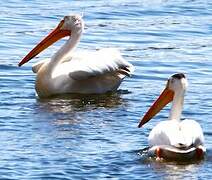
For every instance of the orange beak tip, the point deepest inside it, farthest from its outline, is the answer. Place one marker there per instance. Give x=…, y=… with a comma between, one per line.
x=54, y=36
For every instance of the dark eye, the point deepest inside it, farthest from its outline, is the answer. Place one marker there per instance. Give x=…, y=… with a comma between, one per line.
x=73, y=18
x=66, y=18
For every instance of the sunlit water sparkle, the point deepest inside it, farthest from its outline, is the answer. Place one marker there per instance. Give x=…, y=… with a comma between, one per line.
x=96, y=137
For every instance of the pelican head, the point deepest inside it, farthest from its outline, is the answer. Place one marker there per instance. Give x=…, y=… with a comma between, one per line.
x=71, y=24
x=176, y=84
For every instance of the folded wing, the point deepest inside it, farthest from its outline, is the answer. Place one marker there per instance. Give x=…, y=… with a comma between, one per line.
x=86, y=65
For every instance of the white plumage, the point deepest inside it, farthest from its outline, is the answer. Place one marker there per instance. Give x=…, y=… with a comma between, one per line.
x=85, y=64
x=69, y=71
x=184, y=134
x=174, y=138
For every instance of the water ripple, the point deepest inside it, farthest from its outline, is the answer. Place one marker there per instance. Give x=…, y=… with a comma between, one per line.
x=96, y=137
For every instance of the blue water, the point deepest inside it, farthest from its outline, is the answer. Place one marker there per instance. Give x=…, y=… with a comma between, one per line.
x=96, y=137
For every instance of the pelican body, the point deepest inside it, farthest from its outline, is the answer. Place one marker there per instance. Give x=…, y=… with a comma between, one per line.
x=71, y=72
x=174, y=138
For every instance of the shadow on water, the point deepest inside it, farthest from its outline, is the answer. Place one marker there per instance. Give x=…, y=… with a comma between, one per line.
x=174, y=169
x=75, y=108
x=79, y=102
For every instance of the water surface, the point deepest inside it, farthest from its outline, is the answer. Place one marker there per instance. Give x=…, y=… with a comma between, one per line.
x=96, y=137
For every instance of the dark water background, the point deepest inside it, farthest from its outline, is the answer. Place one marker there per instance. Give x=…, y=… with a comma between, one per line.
x=96, y=137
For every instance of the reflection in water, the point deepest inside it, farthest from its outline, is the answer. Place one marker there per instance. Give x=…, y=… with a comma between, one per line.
x=79, y=102
x=79, y=119
x=81, y=137
x=73, y=108
x=175, y=170
x=172, y=169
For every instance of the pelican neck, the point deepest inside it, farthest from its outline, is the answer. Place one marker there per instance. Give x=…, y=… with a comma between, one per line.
x=177, y=105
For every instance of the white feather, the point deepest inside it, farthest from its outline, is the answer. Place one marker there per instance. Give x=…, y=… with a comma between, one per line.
x=73, y=72
x=178, y=134
x=83, y=65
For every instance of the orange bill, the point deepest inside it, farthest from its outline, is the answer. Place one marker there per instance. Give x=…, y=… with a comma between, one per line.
x=165, y=98
x=54, y=36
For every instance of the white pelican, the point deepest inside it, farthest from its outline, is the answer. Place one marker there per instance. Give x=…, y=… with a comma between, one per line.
x=68, y=72
x=174, y=139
